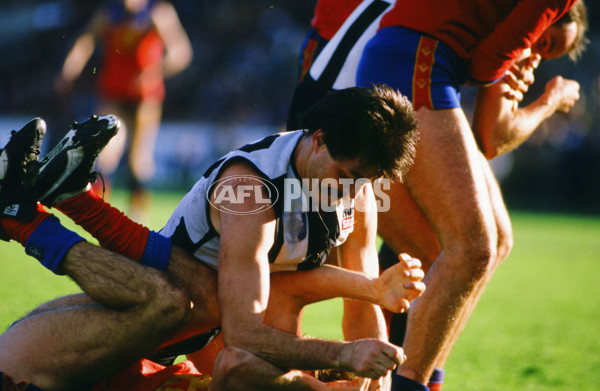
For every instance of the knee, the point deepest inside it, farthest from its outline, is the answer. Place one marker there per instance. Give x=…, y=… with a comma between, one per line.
x=477, y=256
x=505, y=242
x=171, y=303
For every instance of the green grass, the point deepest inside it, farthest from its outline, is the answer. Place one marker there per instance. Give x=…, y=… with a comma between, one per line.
x=536, y=327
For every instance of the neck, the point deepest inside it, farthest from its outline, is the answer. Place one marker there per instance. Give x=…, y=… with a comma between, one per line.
x=300, y=155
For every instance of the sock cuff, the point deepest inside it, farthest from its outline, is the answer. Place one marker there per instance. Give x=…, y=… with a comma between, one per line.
x=401, y=383
x=437, y=376
x=49, y=243
x=157, y=251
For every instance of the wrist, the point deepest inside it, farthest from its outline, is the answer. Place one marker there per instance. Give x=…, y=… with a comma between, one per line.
x=344, y=355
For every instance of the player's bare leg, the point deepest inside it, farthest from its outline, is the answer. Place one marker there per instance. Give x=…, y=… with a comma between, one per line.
x=463, y=218
x=505, y=241
x=63, y=183
x=134, y=308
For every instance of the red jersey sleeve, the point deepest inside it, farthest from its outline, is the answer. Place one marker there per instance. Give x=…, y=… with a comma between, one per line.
x=495, y=53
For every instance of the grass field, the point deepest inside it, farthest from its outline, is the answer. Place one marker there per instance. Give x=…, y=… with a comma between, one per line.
x=536, y=327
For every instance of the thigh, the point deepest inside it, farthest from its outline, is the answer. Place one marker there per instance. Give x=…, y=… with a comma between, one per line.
x=503, y=223
x=448, y=180
x=68, y=345
x=404, y=227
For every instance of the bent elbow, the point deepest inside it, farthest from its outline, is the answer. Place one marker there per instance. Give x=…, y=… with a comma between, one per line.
x=488, y=144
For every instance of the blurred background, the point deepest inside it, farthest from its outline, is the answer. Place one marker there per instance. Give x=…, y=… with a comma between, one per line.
x=239, y=86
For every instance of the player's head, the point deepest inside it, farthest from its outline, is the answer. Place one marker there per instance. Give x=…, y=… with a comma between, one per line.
x=566, y=36
x=375, y=127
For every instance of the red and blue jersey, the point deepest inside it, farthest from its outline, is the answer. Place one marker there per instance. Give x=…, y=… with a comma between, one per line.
x=489, y=34
x=330, y=15
x=132, y=58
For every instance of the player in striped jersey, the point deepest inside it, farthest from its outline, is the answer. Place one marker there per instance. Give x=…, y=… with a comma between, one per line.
x=338, y=144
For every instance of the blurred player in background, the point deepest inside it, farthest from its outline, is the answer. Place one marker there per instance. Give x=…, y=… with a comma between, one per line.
x=142, y=42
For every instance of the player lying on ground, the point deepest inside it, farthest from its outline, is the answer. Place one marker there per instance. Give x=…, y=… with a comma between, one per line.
x=372, y=358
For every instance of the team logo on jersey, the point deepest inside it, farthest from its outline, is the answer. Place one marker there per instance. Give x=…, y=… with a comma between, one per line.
x=242, y=194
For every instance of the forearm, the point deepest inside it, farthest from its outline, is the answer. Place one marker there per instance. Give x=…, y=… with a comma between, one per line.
x=325, y=282
x=500, y=125
x=239, y=369
x=286, y=350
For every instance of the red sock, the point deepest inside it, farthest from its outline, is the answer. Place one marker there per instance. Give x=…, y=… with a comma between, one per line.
x=113, y=230
x=435, y=386
x=436, y=381
x=20, y=230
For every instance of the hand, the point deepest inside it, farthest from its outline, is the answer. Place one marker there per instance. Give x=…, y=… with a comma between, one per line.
x=562, y=93
x=398, y=285
x=370, y=358
x=520, y=76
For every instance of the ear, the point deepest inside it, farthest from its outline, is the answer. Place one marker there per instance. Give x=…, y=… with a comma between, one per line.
x=317, y=139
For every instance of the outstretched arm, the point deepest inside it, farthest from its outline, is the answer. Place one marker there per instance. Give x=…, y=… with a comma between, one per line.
x=393, y=290
x=500, y=125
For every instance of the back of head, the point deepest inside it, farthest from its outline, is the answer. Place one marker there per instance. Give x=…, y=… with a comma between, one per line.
x=376, y=125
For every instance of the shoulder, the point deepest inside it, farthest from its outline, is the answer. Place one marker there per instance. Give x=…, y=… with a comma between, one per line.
x=240, y=190
x=238, y=166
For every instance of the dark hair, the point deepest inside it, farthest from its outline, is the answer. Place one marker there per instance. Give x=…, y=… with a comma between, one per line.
x=376, y=125
x=576, y=14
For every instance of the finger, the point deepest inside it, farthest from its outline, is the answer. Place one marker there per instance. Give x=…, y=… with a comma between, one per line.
x=534, y=60
x=394, y=352
x=511, y=79
x=409, y=261
x=386, y=363
x=520, y=85
x=527, y=76
x=513, y=95
x=381, y=370
x=415, y=286
x=514, y=72
x=414, y=274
